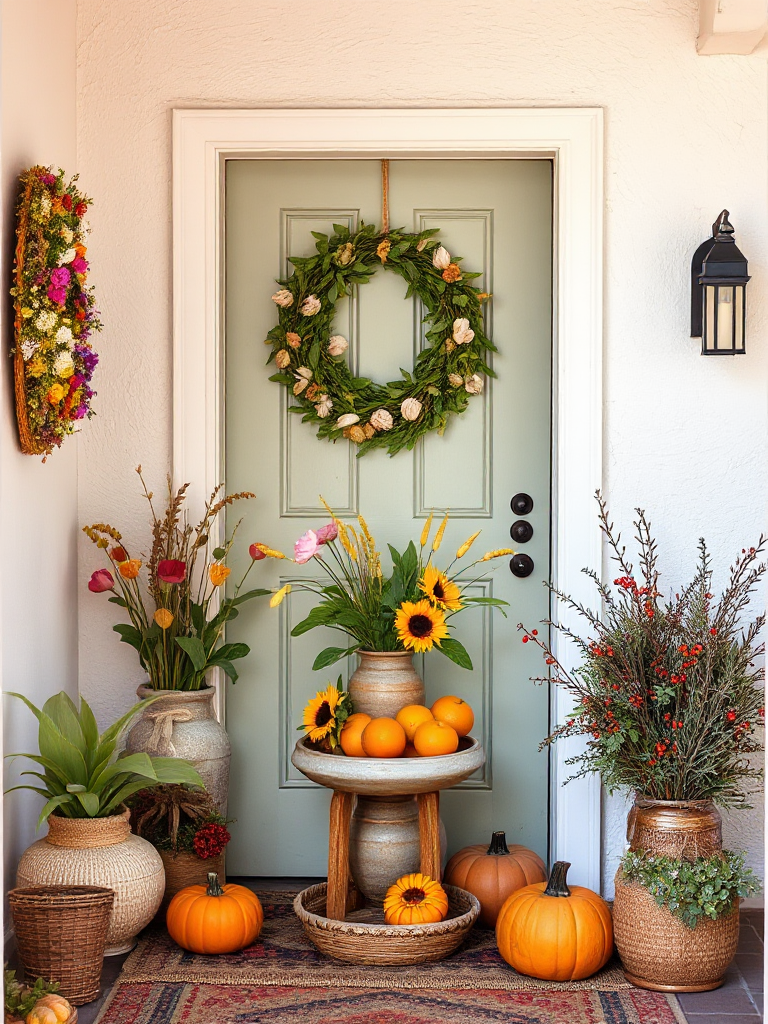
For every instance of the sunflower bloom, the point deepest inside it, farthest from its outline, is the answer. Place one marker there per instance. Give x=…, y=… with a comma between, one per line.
x=440, y=590
x=277, y=598
x=269, y=552
x=320, y=714
x=218, y=573
x=497, y=553
x=425, y=531
x=420, y=626
x=439, y=535
x=467, y=544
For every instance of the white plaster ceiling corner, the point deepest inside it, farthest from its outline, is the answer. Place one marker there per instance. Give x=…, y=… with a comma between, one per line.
x=731, y=26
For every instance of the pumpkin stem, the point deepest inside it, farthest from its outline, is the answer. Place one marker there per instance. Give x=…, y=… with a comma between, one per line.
x=214, y=889
x=557, y=885
x=498, y=844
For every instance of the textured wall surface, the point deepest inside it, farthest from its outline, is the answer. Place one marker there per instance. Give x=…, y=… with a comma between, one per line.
x=38, y=503
x=685, y=437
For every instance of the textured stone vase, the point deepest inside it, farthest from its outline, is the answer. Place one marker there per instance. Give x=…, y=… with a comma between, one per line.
x=100, y=851
x=182, y=723
x=657, y=950
x=384, y=683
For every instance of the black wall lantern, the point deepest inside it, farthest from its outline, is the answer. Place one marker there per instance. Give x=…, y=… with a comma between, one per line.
x=719, y=293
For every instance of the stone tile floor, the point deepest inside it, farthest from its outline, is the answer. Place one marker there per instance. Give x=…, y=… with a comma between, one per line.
x=739, y=1001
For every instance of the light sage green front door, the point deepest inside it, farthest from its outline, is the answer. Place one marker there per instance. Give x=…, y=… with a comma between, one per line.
x=497, y=214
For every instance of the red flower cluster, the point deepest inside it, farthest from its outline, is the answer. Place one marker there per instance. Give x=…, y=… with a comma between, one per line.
x=210, y=840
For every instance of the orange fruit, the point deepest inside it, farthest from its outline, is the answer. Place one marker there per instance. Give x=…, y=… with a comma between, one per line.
x=411, y=717
x=435, y=738
x=455, y=712
x=351, y=732
x=383, y=737
x=410, y=751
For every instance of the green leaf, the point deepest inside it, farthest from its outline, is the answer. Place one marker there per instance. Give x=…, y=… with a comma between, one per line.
x=193, y=647
x=226, y=667
x=129, y=635
x=219, y=552
x=260, y=592
x=456, y=652
x=319, y=616
x=331, y=655
x=51, y=805
x=90, y=803
x=231, y=652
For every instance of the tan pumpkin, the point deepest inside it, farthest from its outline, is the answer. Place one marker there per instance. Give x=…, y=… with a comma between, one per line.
x=415, y=899
x=214, y=919
x=58, y=1004
x=550, y=931
x=493, y=873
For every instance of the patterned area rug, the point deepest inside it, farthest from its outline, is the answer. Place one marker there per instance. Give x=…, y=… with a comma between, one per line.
x=176, y=1003
x=283, y=956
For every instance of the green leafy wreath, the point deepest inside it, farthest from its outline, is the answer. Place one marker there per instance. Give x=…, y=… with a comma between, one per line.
x=311, y=360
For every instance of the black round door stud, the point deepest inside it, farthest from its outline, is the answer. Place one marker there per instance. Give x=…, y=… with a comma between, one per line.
x=521, y=531
x=521, y=504
x=521, y=565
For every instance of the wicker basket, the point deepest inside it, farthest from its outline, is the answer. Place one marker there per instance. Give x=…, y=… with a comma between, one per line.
x=361, y=942
x=61, y=932
x=659, y=952
x=183, y=869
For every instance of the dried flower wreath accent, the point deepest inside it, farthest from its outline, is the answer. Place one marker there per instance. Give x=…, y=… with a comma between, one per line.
x=310, y=359
x=54, y=311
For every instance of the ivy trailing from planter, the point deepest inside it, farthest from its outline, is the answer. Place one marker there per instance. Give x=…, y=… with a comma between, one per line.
x=690, y=890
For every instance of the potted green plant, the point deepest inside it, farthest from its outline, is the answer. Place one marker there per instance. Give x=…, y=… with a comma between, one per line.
x=85, y=784
x=178, y=612
x=668, y=696
x=185, y=827
x=386, y=619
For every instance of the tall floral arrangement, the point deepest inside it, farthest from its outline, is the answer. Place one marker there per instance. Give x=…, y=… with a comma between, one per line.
x=409, y=610
x=54, y=308
x=175, y=602
x=669, y=691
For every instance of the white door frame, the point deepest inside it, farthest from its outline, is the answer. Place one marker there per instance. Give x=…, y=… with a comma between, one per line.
x=573, y=139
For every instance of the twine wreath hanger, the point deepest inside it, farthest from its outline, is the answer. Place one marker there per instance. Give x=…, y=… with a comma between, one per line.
x=311, y=361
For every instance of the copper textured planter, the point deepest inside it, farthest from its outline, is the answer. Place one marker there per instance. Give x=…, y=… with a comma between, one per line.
x=682, y=829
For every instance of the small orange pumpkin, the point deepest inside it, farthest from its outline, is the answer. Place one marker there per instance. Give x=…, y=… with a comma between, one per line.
x=552, y=932
x=61, y=1009
x=415, y=899
x=214, y=919
x=494, y=872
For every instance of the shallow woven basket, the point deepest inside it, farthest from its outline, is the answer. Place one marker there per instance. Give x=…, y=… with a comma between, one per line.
x=185, y=869
x=659, y=952
x=358, y=942
x=61, y=932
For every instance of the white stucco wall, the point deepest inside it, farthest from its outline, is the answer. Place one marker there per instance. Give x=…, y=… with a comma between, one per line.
x=685, y=136
x=38, y=503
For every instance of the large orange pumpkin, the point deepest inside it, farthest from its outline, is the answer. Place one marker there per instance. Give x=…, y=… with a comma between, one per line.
x=415, y=899
x=214, y=918
x=552, y=932
x=493, y=873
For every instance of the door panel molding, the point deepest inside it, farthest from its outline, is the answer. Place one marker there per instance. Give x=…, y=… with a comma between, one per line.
x=573, y=138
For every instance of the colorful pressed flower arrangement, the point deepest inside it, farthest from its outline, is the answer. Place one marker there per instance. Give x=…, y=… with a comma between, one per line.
x=54, y=311
x=409, y=610
x=179, y=639
x=669, y=693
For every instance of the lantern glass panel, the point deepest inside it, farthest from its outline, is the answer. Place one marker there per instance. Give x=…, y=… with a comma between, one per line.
x=723, y=328
x=725, y=308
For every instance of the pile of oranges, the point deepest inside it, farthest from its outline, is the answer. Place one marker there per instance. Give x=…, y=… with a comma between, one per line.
x=417, y=731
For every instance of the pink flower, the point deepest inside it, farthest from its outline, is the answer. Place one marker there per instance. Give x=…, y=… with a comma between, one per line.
x=327, y=533
x=101, y=581
x=171, y=570
x=305, y=547
x=79, y=265
x=60, y=277
x=57, y=295
x=256, y=553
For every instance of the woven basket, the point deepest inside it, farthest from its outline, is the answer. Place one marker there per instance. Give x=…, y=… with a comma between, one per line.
x=659, y=952
x=684, y=829
x=183, y=869
x=359, y=942
x=61, y=932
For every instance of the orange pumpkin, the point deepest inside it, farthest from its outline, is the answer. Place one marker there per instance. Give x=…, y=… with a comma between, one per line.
x=214, y=919
x=493, y=873
x=552, y=932
x=415, y=899
x=61, y=1009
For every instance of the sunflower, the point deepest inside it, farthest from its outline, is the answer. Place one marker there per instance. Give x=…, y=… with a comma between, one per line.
x=320, y=714
x=420, y=626
x=440, y=590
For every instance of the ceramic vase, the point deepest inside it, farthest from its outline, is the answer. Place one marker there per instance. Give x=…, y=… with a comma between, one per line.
x=384, y=683
x=657, y=950
x=100, y=851
x=182, y=723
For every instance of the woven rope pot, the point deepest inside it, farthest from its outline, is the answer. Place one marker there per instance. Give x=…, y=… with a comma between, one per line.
x=182, y=723
x=184, y=869
x=657, y=950
x=100, y=851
